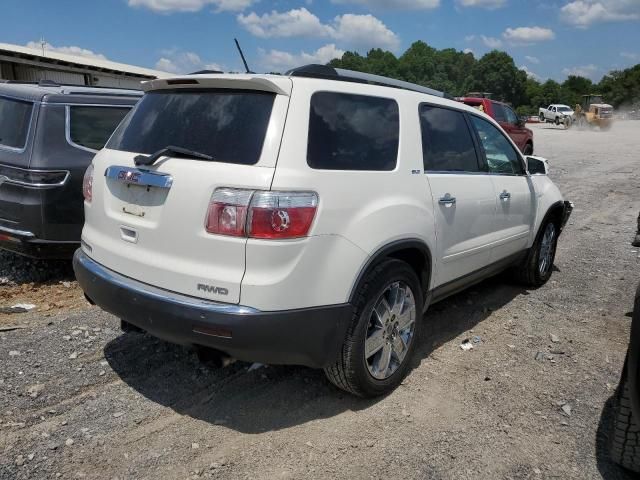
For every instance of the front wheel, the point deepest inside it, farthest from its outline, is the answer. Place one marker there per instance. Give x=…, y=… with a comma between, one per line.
x=557, y=121
x=538, y=266
x=528, y=149
x=384, y=329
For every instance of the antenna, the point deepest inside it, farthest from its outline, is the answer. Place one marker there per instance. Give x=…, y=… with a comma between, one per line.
x=246, y=67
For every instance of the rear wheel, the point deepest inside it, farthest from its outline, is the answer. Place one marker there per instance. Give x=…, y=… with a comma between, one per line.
x=557, y=121
x=538, y=266
x=528, y=149
x=624, y=440
x=380, y=341
x=542, y=119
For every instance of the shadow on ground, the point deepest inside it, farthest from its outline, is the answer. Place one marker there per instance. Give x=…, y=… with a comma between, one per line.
x=17, y=270
x=276, y=397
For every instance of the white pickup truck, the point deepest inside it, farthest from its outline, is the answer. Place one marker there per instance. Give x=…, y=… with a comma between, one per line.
x=558, y=114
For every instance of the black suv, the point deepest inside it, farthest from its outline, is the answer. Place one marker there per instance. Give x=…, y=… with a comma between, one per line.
x=49, y=134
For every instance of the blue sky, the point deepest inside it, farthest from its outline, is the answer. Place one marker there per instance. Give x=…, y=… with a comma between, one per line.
x=548, y=38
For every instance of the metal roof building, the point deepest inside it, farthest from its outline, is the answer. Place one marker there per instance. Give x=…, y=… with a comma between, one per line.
x=33, y=65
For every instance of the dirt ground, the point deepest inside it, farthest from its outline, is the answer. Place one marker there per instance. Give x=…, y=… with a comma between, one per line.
x=78, y=399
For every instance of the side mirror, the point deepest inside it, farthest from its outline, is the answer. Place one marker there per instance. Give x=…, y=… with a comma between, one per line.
x=537, y=166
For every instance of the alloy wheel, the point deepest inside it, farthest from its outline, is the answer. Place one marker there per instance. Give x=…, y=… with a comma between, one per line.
x=547, y=247
x=390, y=330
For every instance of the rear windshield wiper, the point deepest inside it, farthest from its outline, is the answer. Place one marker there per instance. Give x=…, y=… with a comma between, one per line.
x=170, y=150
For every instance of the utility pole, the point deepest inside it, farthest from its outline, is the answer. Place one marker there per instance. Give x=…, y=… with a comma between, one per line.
x=42, y=43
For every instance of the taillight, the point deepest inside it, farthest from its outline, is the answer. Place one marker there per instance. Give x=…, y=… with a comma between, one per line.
x=258, y=214
x=281, y=214
x=87, y=184
x=227, y=213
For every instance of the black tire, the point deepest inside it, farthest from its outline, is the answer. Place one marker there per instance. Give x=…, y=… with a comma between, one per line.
x=529, y=272
x=350, y=372
x=528, y=149
x=557, y=121
x=542, y=119
x=624, y=438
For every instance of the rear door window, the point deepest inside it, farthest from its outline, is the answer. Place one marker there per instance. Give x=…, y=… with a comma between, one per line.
x=228, y=125
x=15, y=118
x=352, y=132
x=447, y=145
x=498, y=112
x=91, y=127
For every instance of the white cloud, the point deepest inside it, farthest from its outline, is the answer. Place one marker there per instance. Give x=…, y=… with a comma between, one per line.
x=357, y=31
x=294, y=23
x=630, y=55
x=530, y=74
x=583, y=13
x=393, y=4
x=168, y=6
x=364, y=31
x=528, y=35
x=468, y=50
x=78, y=51
x=530, y=59
x=488, y=4
x=587, y=71
x=278, y=60
x=177, y=61
x=469, y=38
x=491, y=42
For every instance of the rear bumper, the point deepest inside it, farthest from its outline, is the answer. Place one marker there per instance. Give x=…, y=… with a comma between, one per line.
x=25, y=243
x=311, y=337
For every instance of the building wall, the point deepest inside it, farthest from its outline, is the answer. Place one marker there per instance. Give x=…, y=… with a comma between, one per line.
x=34, y=73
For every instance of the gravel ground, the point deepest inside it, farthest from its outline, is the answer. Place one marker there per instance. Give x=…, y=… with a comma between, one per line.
x=78, y=399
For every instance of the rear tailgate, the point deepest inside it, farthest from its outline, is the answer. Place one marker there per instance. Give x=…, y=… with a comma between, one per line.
x=148, y=223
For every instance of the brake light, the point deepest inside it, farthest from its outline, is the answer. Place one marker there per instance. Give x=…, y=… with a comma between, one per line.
x=281, y=214
x=87, y=184
x=256, y=214
x=227, y=213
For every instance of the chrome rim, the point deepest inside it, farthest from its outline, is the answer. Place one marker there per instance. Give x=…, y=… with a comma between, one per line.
x=390, y=330
x=546, y=249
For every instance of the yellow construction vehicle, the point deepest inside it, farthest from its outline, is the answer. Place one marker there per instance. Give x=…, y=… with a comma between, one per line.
x=593, y=112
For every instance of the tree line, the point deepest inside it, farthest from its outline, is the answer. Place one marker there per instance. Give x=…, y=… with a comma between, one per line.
x=458, y=73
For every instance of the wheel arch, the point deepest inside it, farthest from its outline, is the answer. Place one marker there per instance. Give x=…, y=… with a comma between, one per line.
x=414, y=252
x=555, y=212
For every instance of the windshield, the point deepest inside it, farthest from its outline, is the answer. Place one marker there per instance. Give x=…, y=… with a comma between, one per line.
x=15, y=117
x=228, y=125
x=564, y=109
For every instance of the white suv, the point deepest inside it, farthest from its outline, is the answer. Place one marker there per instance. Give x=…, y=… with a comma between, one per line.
x=307, y=219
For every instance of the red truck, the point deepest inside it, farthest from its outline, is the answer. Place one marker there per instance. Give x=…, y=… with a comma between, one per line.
x=507, y=118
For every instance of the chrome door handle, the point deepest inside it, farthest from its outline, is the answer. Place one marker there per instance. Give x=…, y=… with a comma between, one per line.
x=447, y=200
x=505, y=195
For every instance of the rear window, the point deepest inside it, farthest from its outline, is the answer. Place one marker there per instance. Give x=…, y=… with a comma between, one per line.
x=15, y=117
x=447, y=145
x=352, y=132
x=91, y=127
x=228, y=125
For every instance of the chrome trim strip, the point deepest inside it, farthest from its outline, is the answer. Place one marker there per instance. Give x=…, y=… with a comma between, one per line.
x=21, y=233
x=135, y=176
x=34, y=185
x=138, y=288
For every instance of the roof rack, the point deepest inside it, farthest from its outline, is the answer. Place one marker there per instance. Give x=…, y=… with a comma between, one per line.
x=330, y=73
x=201, y=72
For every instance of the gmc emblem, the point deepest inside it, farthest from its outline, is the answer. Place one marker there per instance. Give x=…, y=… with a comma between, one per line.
x=213, y=289
x=129, y=177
